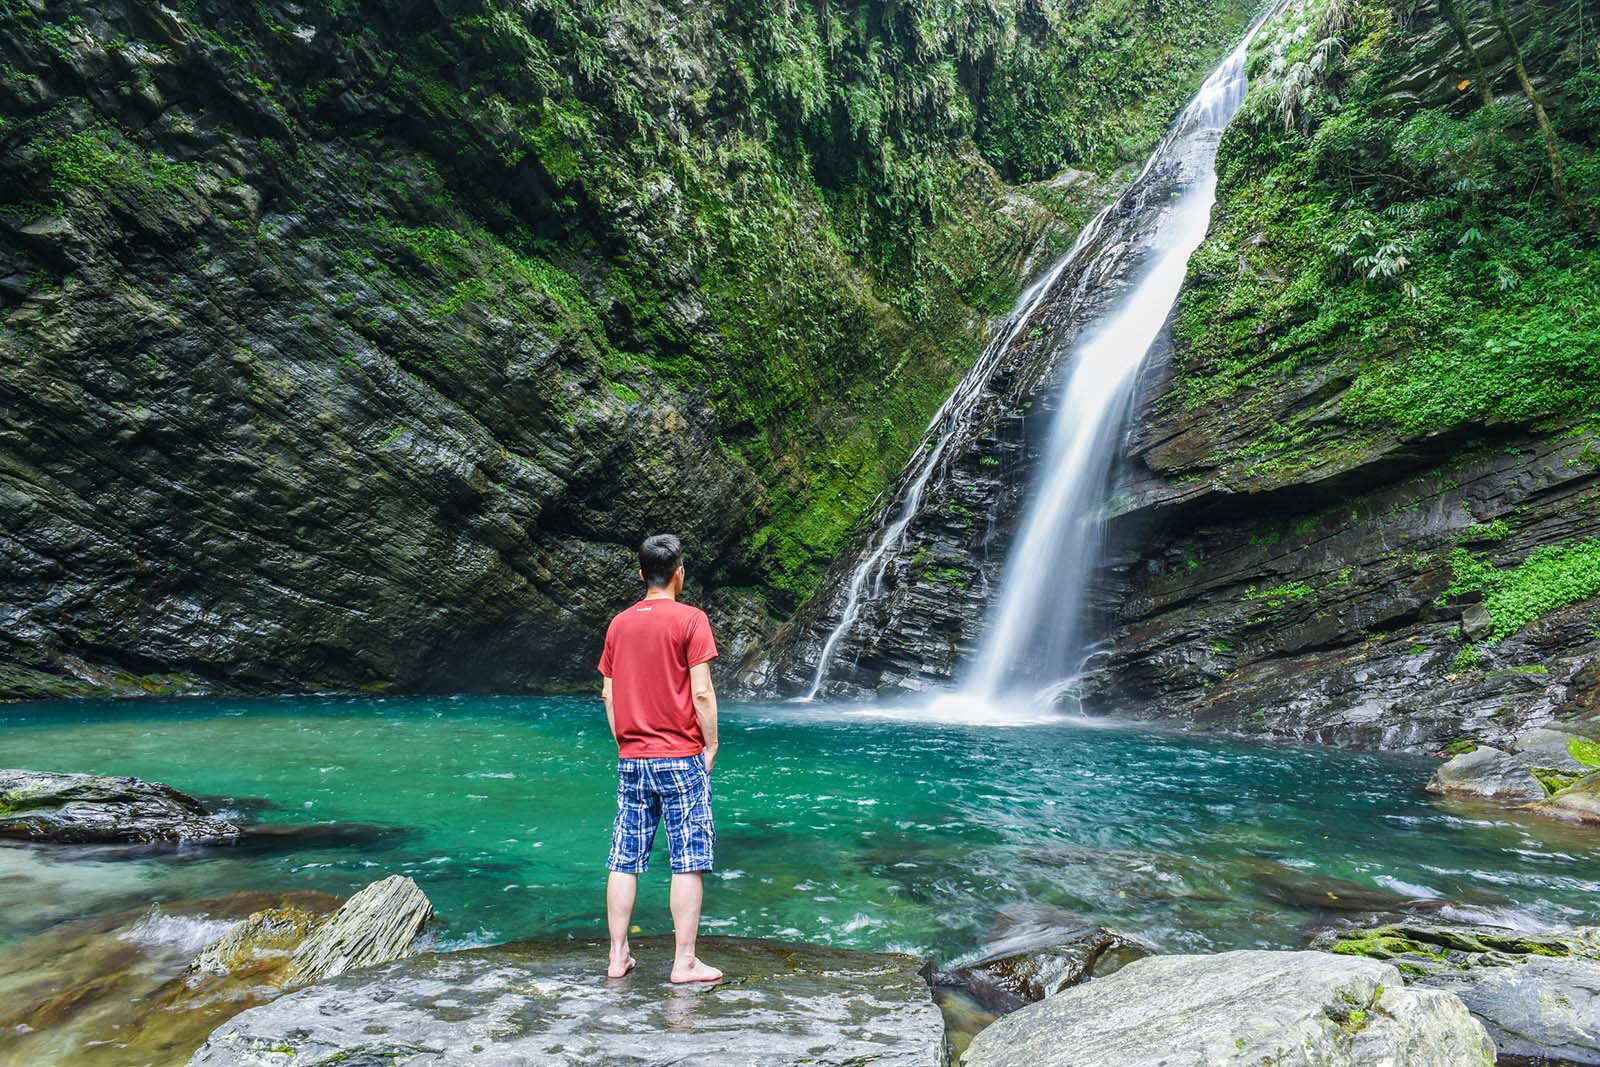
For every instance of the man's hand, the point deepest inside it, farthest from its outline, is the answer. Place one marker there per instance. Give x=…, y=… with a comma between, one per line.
x=611, y=711
x=705, y=709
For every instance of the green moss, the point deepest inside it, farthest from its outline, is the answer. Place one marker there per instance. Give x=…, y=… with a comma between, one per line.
x=1585, y=751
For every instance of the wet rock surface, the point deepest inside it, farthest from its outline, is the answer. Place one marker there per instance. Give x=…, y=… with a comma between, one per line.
x=1286, y=1009
x=89, y=809
x=550, y=1002
x=144, y=988
x=1537, y=993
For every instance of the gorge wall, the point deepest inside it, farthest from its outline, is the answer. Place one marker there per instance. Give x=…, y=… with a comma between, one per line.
x=353, y=346
x=1361, y=504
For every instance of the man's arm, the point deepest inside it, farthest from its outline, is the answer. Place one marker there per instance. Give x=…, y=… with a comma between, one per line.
x=611, y=711
x=705, y=708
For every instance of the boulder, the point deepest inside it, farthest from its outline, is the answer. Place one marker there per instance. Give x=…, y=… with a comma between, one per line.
x=1489, y=773
x=1248, y=1008
x=1579, y=802
x=1537, y=994
x=91, y=809
x=550, y=1003
x=378, y=924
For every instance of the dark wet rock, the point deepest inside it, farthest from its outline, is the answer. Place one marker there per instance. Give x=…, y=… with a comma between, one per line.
x=1005, y=982
x=1286, y=1009
x=1537, y=993
x=87, y=808
x=549, y=1002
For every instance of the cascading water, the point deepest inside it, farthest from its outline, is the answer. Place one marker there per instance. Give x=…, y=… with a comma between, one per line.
x=946, y=426
x=1035, y=632
x=1035, y=636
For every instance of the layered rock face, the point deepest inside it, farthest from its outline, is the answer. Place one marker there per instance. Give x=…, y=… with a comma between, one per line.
x=356, y=346
x=1360, y=498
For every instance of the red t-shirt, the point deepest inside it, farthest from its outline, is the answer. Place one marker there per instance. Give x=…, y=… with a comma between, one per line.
x=649, y=650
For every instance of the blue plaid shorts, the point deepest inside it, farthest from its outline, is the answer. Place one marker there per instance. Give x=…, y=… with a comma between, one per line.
x=676, y=789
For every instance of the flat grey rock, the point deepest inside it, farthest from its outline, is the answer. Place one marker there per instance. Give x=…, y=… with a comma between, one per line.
x=1490, y=773
x=549, y=1003
x=1243, y=1009
x=94, y=809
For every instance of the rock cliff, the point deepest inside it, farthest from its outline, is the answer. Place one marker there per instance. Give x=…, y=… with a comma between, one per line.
x=354, y=346
x=1360, y=504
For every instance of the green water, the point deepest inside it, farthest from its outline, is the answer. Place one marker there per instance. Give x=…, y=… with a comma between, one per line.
x=833, y=827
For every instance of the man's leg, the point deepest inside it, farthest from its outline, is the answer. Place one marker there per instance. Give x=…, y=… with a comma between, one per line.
x=688, y=892
x=693, y=837
x=632, y=835
x=621, y=889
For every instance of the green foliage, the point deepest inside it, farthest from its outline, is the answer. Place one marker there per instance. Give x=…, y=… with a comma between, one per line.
x=1468, y=659
x=1416, y=254
x=1552, y=577
x=1280, y=594
x=1585, y=751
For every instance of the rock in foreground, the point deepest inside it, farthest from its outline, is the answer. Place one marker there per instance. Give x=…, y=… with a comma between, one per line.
x=1245, y=1009
x=93, y=809
x=1538, y=994
x=550, y=1003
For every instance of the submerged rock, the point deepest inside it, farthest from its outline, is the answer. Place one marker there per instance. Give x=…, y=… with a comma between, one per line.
x=550, y=1003
x=123, y=988
x=1538, y=994
x=131, y=988
x=90, y=808
x=1286, y=1009
x=1005, y=981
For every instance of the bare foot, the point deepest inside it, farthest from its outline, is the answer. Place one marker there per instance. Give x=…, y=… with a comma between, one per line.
x=695, y=971
x=618, y=968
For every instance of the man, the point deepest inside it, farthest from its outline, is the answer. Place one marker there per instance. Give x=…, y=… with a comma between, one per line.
x=663, y=713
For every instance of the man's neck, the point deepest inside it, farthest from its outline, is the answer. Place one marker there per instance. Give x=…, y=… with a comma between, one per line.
x=660, y=594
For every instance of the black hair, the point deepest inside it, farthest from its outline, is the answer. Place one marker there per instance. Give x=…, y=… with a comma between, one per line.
x=659, y=557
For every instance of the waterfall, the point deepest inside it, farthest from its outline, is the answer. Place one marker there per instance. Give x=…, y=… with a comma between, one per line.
x=947, y=425
x=1035, y=632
